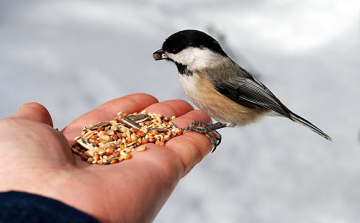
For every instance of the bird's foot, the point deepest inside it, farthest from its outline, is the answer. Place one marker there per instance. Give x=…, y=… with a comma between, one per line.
x=203, y=128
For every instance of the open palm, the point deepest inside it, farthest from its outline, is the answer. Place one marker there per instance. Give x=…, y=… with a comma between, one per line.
x=36, y=158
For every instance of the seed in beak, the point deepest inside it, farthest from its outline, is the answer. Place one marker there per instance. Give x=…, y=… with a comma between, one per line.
x=158, y=55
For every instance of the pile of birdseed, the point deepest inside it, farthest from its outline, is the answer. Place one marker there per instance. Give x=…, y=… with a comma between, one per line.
x=113, y=141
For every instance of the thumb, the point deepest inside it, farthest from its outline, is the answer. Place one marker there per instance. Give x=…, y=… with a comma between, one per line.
x=33, y=111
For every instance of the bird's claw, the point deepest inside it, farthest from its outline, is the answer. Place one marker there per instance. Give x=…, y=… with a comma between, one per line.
x=203, y=128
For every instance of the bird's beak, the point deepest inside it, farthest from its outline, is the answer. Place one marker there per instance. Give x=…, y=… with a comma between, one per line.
x=159, y=55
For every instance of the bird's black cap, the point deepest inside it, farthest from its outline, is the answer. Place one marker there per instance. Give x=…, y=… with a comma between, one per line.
x=191, y=38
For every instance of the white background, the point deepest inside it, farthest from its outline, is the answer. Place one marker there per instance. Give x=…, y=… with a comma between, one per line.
x=74, y=55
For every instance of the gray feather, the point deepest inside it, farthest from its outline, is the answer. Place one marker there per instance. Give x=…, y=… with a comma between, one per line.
x=246, y=90
x=308, y=124
x=243, y=89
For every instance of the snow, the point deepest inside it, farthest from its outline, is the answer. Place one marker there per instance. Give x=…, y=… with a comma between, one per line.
x=72, y=56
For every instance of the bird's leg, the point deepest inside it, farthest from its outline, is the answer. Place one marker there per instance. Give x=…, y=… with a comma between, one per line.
x=203, y=128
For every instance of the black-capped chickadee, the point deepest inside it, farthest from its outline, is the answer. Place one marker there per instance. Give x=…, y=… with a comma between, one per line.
x=219, y=86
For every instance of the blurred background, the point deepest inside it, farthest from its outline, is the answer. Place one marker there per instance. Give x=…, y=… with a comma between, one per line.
x=72, y=56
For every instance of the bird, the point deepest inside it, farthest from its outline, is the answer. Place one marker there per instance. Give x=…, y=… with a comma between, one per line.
x=219, y=86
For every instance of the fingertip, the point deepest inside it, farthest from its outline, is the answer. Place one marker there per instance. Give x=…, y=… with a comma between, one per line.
x=189, y=117
x=34, y=111
x=191, y=148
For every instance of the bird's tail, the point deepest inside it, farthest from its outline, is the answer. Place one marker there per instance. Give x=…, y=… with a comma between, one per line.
x=306, y=123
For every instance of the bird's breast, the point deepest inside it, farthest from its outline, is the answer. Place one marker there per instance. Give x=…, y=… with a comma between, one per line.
x=203, y=94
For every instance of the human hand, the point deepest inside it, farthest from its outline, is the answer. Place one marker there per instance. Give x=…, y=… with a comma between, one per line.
x=36, y=158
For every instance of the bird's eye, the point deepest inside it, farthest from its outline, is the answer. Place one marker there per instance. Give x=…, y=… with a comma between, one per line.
x=174, y=50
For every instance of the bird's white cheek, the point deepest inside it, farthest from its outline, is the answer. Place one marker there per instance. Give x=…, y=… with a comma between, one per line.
x=195, y=58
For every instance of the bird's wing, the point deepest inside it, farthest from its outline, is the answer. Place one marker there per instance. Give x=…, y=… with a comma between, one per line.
x=251, y=93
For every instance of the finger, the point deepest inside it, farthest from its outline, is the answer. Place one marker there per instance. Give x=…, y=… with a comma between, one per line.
x=170, y=108
x=191, y=147
x=33, y=111
x=108, y=111
x=129, y=104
